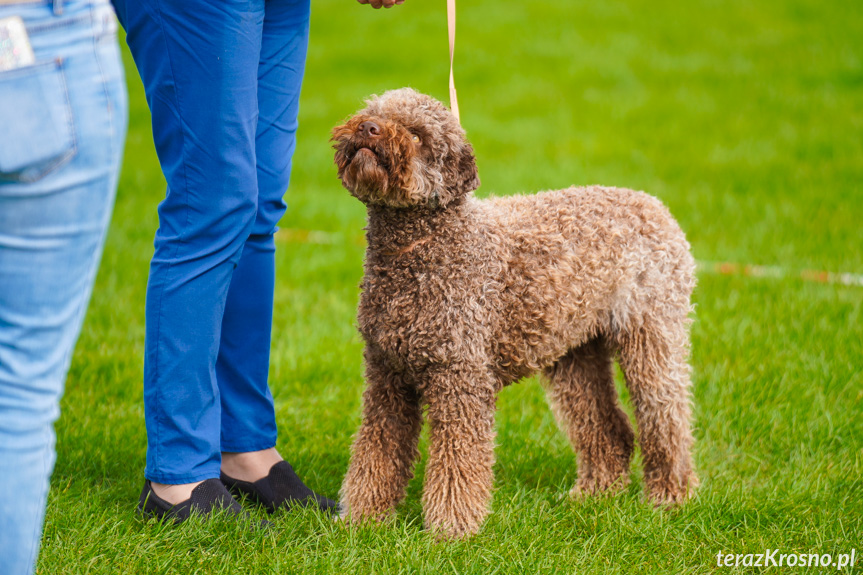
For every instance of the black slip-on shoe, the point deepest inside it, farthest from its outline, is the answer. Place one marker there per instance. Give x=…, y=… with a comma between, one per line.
x=208, y=497
x=281, y=488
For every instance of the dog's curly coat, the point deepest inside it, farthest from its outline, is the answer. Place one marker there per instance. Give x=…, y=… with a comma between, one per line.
x=462, y=297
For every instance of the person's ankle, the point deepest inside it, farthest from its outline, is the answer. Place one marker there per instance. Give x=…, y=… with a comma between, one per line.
x=174, y=494
x=251, y=465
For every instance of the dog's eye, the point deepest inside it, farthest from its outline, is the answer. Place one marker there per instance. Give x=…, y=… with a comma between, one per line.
x=415, y=139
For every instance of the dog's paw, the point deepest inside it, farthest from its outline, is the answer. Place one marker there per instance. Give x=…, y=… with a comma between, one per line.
x=670, y=493
x=447, y=532
x=451, y=518
x=454, y=521
x=594, y=487
x=353, y=516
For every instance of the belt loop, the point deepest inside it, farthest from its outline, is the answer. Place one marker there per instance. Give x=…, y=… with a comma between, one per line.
x=58, y=7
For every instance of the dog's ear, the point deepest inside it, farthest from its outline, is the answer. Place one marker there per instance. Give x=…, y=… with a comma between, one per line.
x=467, y=179
x=338, y=137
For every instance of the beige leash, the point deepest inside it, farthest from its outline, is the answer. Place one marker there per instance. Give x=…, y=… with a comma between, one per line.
x=450, y=16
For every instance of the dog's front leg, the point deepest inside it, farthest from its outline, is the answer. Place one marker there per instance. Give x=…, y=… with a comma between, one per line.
x=458, y=477
x=385, y=447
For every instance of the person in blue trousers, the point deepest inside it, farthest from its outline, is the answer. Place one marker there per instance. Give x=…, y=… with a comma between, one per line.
x=222, y=80
x=62, y=128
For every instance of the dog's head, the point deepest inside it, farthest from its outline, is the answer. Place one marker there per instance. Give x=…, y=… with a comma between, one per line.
x=405, y=149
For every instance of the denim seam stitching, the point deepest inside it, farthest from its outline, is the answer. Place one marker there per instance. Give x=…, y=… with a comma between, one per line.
x=65, y=23
x=104, y=81
x=70, y=116
x=27, y=70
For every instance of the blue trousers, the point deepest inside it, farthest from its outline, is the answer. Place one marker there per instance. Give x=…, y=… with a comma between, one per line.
x=62, y=127
x=222, y=80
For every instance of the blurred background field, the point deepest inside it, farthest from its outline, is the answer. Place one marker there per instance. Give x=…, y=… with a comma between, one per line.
x=745, y=118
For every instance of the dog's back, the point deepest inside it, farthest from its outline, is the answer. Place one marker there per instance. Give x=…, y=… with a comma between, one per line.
x=582, y=262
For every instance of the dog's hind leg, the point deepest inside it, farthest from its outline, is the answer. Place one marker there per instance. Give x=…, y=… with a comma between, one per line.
x=581, y=392
x=385, y=448
x=653, y=356
x=459, y=476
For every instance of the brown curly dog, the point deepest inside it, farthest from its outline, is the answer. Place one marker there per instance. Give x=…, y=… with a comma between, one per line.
x=462, y=297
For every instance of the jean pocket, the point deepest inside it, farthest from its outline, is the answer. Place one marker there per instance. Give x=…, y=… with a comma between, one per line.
x=38, y=133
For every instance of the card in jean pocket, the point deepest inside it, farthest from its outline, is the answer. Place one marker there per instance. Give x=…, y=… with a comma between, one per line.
x=15, y=49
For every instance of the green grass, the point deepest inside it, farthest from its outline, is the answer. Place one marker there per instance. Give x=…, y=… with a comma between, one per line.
x=746, y=118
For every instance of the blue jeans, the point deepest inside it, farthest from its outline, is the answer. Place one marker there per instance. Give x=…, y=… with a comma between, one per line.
x=222, y=80
x=62, y=128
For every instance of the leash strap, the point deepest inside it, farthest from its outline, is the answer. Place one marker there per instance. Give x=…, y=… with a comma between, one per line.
x=450, y=16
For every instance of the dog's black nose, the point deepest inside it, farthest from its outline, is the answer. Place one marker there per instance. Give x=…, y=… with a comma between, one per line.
x=369, y=129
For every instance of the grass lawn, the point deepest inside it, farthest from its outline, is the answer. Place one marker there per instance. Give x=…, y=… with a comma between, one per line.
x=746, y=118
